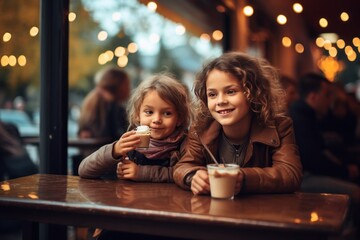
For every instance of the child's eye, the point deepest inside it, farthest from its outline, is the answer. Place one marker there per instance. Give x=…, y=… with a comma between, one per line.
x=167, y=114
x=231, y=92
x=211, y=94
x=148, y=112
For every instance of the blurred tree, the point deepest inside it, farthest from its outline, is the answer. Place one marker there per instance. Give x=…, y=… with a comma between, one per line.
x=17, y=18
x=84, y=47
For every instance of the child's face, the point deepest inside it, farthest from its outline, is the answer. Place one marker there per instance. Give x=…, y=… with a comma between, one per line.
x=226, y=100
x=159, y=115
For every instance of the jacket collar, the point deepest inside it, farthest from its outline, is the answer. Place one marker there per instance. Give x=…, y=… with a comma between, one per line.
x=263, y=134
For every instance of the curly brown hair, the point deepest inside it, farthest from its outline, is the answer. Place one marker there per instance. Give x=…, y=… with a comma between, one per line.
x=259, y=81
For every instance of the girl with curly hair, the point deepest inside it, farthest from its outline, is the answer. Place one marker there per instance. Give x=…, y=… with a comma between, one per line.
x=241, y=119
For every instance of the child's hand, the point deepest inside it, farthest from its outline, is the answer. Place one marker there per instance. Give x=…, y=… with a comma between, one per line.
x=127, y=169
x=125, y=144
x=200, y=183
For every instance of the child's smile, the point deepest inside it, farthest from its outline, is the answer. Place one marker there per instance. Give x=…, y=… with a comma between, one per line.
x=224, y=112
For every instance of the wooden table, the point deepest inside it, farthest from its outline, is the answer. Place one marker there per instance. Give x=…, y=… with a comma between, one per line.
x=166, y=210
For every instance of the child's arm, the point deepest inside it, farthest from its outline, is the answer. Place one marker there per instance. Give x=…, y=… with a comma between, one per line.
x=104, y=160
x=99, y=163
x=191, y=160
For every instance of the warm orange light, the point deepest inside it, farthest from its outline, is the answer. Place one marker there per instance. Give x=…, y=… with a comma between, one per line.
x=152, y=6
x=319, y=42
x=122, y=61
x=248, y=11
x=4, y=61
x=330, y=67
x=22, y=60
x=299, y=48
x=286, y=41
x=323, y=22
x=5, y=186
x=314, y=217
x=356, y=41
x=340, y=43
x=281, y=19
x=119, y=51
x=327, y=44
x=217, y=35
x=132, y=47
x=333, y=52
x=6, y=37
x=102, y=59
x=34, y=31
x=344, y=16
x=33, y=196
x=12, y=60
x=102, y=35
x=348, y=50
x=297, y=7
x=72, y=16
x=109, y=55
x=352, y=57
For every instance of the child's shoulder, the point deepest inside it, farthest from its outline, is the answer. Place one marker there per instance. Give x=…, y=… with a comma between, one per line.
x=283, y=123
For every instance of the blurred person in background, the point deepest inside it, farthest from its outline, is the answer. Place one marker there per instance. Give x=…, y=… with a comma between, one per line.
x=354, y=105
x=340, y=123
x=323, y=171
x=307, y=113
x=103, y=112
x=19, y=103
x=14, y=162
x=290, y=86
x=14, y=159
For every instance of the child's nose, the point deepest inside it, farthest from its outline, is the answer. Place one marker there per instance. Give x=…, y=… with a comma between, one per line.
x=156, y=118
x=221, y=99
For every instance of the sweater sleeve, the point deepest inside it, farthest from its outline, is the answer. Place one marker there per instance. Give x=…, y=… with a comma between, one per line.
x=99, y=164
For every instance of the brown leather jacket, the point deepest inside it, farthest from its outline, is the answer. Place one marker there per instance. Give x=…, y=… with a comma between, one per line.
x=271, y=164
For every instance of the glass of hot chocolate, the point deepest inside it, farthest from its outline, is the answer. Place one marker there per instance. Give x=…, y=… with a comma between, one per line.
x=222, y=179
x=144, y=133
